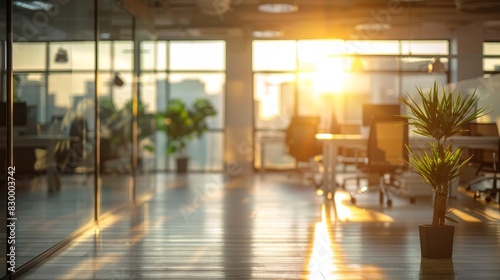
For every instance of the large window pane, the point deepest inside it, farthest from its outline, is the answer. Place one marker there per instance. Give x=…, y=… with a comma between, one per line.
x=193, y=75
x=148, y=55
x=160, y=137
x=313, y=53
x=410, y=82
x=197, y=55
x=317, y=96
x=273, y=100
x=435, y=47
x=274, y=55
x=29, y=56
x=147, y=108
x=123, y=55
x=372, y=47
x=491, y=64
x=334, y=78
x=161, y=55
x=360, y=63
x=420, y=63
x=105, y=55
x=192, y=86
x=493, y=49
x=71, y=56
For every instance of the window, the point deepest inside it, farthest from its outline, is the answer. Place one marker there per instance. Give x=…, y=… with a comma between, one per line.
x=491, y=62
x=189, y=70
x=325, y=77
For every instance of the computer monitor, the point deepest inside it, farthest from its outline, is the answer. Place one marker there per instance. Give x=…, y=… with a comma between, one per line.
x=372, y=110
x=20, y=119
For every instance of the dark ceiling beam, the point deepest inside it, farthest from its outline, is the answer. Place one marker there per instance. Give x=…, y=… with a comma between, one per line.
x=141, y=12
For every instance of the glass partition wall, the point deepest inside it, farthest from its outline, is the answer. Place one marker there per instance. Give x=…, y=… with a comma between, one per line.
x=54, y=131
x=4, y=30
x=87, y=144
x=332, y=79
x=62, y=70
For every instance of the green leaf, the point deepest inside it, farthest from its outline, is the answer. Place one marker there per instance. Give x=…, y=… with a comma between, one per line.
x=440, y=115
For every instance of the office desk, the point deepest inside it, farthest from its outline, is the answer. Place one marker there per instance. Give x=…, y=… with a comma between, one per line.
x=331, y=143
x=51, y=143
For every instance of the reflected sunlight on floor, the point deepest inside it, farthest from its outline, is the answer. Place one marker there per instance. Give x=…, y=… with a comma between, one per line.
x=326, y=259
x=346, y=212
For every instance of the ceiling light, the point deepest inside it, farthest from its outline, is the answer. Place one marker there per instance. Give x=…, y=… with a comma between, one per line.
x=105, y=35
x=278, y=7
x=35, y=5
x=267, y=33
x=436, y=66
x=478, y=6
x=372, y=26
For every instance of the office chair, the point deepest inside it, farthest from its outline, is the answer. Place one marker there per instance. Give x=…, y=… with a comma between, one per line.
x=71, y=158
x=386, y=156
x=347, y=156
x=301, y=141
x=485, y=160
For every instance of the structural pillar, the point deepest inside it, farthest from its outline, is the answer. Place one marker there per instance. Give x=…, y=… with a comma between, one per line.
x=467, y=53
x=239, y=147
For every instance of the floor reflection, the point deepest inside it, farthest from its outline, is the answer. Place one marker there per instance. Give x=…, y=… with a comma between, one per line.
x=322, y=259
x=202, y=227
x=237, y=228
x=430, y=268
x=328, y=258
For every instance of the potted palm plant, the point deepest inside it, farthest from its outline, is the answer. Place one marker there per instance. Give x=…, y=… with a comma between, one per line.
x=438, y=116
x=181, y=123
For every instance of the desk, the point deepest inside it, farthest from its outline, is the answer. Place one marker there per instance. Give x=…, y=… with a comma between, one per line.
x=331, y=142
x=43, y=141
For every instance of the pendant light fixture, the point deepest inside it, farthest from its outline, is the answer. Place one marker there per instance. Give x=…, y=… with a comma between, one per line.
x=61, y=55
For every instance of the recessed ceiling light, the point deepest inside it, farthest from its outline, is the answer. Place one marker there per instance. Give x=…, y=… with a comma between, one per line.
x=373, y=26
x=267, y=33
x=278, y=7
x=34, y=5
x=105, y=35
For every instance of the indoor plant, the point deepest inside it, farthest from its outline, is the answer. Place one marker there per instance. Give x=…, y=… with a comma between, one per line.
x=181, y=123
x=439, y=116
x=116, y=130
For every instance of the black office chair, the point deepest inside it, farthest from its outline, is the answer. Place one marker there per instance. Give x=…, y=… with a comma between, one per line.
x=71, y=158
x=347, y=156
x=302, y=144
x=486, y=161
x=387, y=156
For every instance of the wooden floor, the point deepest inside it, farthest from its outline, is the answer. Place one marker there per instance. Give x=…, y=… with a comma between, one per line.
x=272, y=226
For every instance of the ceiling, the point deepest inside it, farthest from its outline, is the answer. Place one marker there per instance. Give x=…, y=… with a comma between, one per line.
x=197, y=19
x=347, y=19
